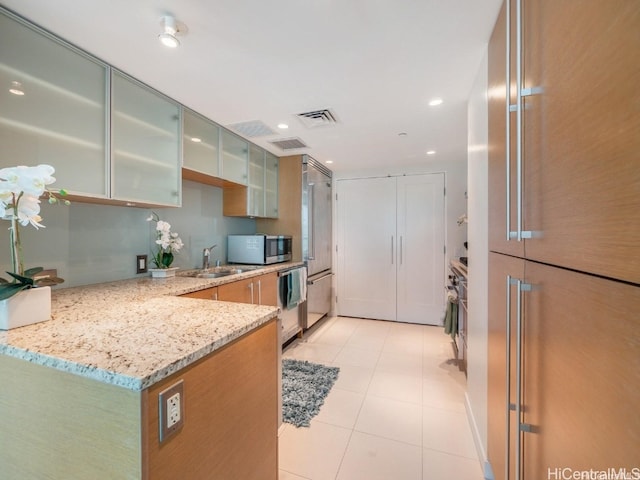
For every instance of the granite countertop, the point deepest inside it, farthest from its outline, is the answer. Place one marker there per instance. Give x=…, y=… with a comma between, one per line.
x=133, y=333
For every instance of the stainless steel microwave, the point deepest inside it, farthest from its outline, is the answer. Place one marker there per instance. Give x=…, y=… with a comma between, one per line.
x=258, y=249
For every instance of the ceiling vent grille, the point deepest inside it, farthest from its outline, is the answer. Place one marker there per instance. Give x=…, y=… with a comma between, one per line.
x=289, y=143
x=253, y=128
x=318, y=118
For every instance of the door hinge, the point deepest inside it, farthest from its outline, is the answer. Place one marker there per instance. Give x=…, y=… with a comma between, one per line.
x=445, y=249
x=336, y=299
x=336, y=197
x=444, y=191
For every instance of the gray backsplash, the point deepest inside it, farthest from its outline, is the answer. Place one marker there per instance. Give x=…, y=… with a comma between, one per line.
x=90, y=243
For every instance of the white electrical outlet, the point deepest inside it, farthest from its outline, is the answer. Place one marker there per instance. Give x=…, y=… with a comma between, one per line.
x=171, y=410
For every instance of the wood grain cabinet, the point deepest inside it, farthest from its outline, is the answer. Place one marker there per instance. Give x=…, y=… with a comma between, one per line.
x=578, y=146
x=568, y=353
x=564, y=273
x=58, y=425
x=260, y=290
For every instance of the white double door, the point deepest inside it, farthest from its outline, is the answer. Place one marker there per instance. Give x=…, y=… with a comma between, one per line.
x=391, y=248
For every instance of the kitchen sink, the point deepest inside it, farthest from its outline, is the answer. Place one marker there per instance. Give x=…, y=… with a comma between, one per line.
x=217, y=272
x=213, y=274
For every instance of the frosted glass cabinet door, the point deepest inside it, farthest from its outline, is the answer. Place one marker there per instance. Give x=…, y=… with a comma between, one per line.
x=200, y=138
x=145, y=144
x=52, y=108
x=235, y=156
x=256, y=182
x=271, y=185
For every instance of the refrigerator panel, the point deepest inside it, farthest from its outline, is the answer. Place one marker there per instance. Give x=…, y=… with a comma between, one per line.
x=316, y=219
x=318, y=298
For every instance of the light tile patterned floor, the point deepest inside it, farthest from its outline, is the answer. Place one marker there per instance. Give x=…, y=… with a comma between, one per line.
x=396, y=411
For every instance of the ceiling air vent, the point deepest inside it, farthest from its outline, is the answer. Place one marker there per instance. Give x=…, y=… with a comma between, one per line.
x=289, y=143
x=318, y=118
x=253, y=128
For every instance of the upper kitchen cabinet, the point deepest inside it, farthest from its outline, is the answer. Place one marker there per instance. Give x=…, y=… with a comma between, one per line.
x=145, y=144
x=52, y=108
x=260, y=198
x=201, y=138
x=271, y=164
x=256, y=182
x=235, y=158
x=569, y=135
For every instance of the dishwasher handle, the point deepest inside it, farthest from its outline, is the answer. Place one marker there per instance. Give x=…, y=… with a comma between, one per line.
x=313, y=282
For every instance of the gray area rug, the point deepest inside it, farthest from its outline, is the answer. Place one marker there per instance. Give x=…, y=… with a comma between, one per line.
x=305, y=385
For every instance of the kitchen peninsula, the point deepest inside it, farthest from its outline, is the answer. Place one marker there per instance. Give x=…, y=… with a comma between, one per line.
x=80, y=393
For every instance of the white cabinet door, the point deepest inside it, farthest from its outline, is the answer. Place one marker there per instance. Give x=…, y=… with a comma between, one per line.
x=420, y=222
x=366, y=248
x=391, y=248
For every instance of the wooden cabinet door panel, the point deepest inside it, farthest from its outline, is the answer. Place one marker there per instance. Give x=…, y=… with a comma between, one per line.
x=581, y=372
x=241, y=291
x=582, y=179
x=206, y=294
x=497, y=104
x=501, y=266
x=267, y=289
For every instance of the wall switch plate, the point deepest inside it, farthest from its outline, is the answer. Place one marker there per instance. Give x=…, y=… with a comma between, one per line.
x=171, y=410
x=141, y=264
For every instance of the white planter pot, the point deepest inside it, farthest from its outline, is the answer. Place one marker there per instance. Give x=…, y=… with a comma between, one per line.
x=26, y=307
x=163, y=272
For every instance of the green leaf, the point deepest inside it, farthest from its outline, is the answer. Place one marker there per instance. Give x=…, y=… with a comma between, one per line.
x=32, y=271
x=21, y=279
x=10, y=289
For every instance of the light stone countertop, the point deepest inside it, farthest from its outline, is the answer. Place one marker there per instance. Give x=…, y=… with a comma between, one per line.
x=133, y=333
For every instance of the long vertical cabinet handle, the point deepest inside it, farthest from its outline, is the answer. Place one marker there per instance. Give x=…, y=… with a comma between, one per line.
x=311, y=223
x=510, y=282
x=518, y=234
x=259, y=292
x=522, y=427
x=508, y=125
x=519, y=379
x=251, y=288
x=392, y=255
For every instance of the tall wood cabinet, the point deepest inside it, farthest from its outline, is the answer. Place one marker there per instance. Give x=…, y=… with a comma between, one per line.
x=564, y=333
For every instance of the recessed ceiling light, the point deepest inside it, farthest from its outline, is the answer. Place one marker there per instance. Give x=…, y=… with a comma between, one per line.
x=434, y=102
x=283, y=126
x=329, y=161
x=16, y=88
x=402, y=134
x=431, y=152
x=196, y=139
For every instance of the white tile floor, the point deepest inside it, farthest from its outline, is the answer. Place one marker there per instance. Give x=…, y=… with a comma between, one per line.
x=396, y=411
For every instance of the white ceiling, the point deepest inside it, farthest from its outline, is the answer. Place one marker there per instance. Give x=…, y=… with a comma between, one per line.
x=374, y=63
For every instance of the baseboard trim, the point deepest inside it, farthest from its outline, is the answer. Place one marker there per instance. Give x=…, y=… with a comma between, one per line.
x=475, y=433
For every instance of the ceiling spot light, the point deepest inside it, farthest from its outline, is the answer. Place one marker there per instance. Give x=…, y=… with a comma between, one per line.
x=283, y=126
x=431, y=152
x=329, y=161
x=196, y=140
x=170, y=31
x=434, y=102
x=16, y=88
x=402, y=134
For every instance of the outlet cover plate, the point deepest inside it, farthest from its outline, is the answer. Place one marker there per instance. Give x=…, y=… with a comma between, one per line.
x=171, y=410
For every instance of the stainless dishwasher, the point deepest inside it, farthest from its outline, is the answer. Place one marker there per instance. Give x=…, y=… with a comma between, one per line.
x=292, y=296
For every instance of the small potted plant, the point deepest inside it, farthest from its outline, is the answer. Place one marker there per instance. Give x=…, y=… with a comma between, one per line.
x=27, y=298
x=167, y=243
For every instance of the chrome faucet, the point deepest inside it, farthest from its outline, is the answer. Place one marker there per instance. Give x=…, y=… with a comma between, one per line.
x=206, y=256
